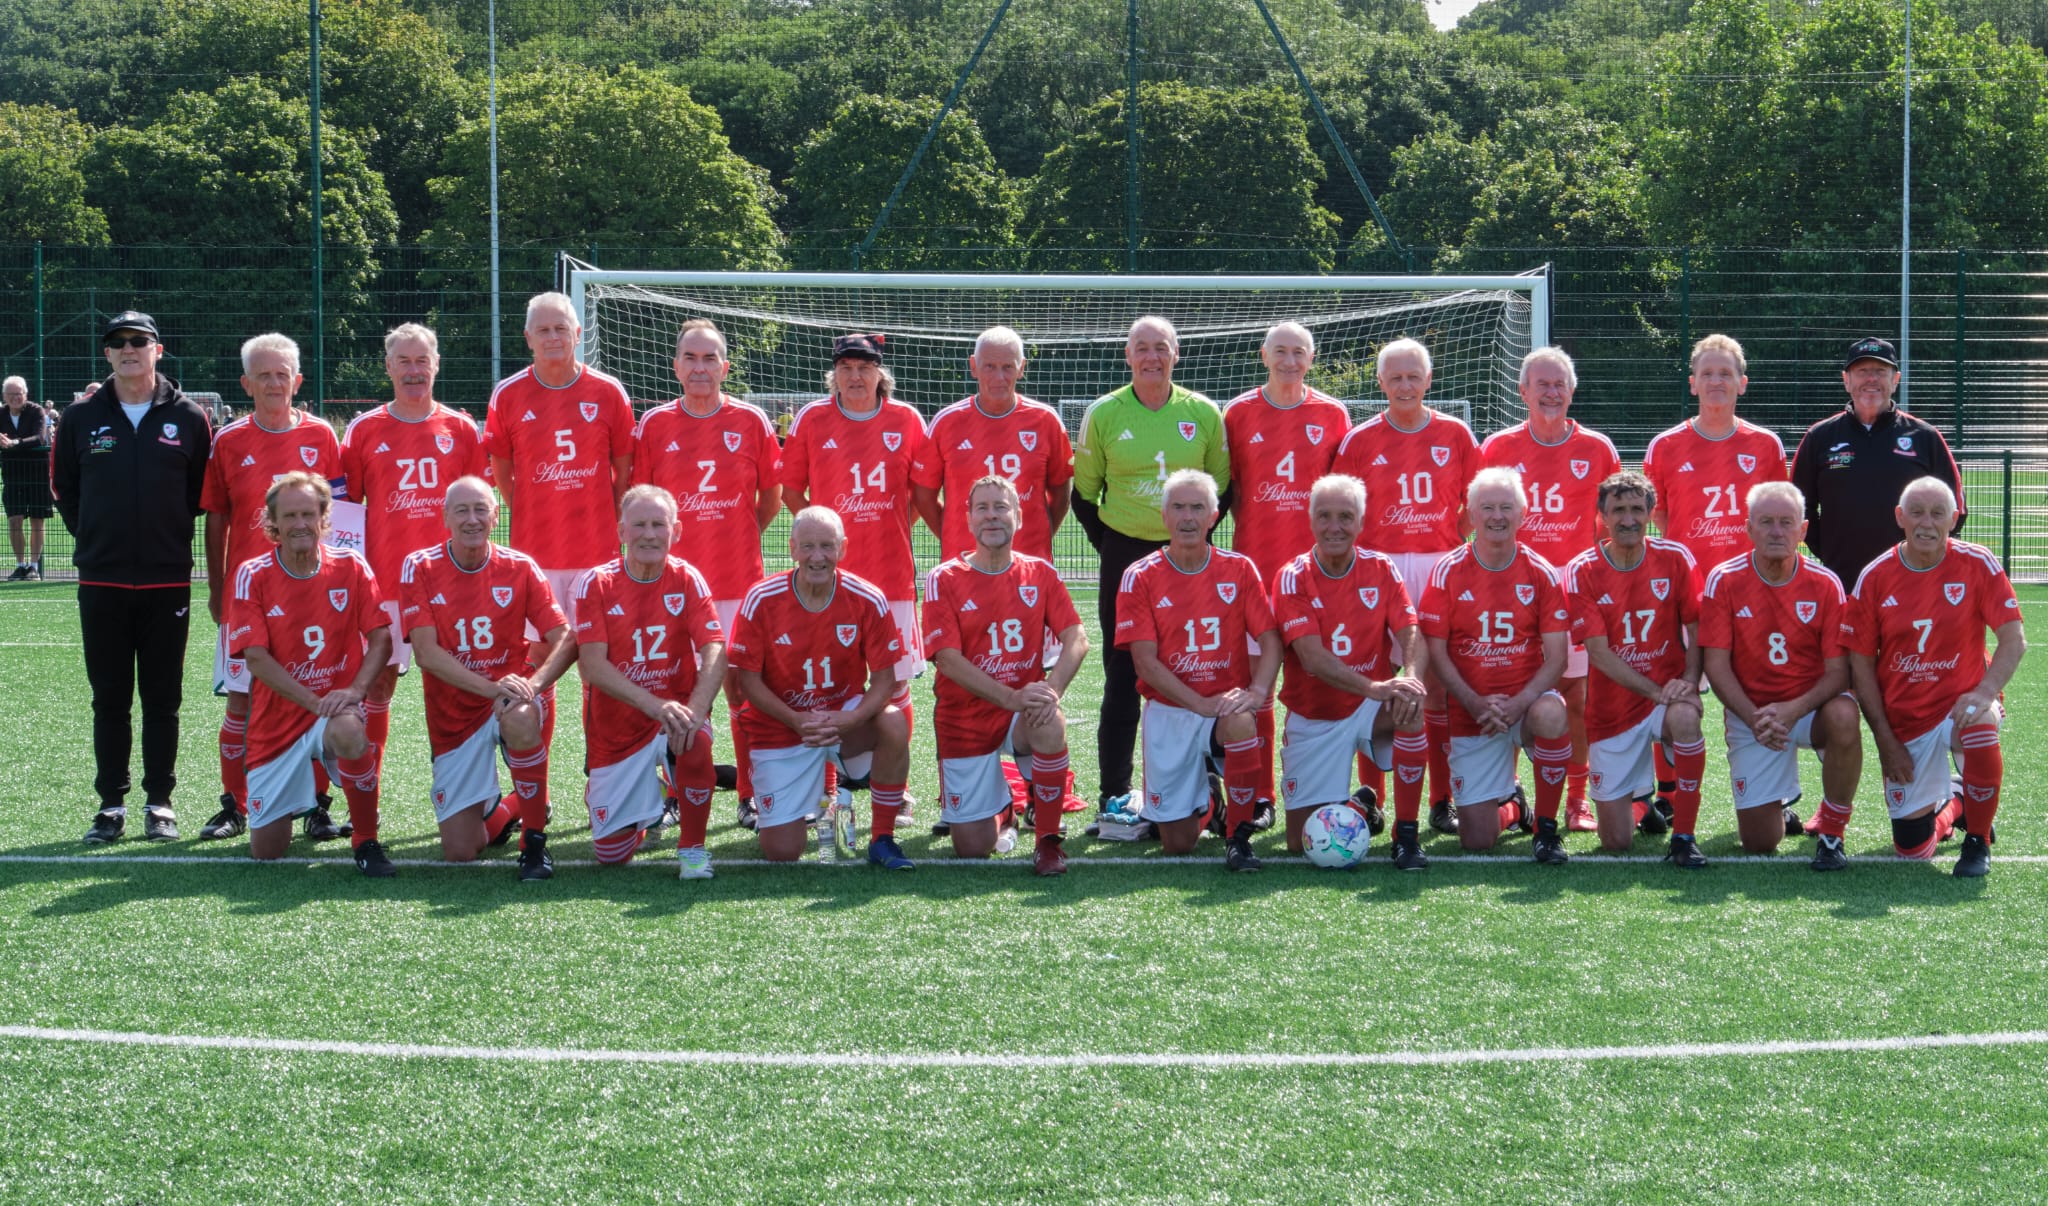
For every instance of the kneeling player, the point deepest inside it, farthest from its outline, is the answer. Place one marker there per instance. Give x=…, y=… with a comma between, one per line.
x=1340, y=609
x=1635, y=607
x=1189, y=614
x=1915, y=636
x=466, y=605
x=814, y=651
x=652, y=656
x=1498, y=636
x=1771, y=641
x=310, y=625
x=987, y=616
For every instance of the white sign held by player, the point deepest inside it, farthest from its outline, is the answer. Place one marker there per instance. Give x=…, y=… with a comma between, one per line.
x=347, y=532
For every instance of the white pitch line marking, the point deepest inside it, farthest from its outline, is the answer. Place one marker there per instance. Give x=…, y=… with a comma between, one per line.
x=949, y=1059
x=1079, y=860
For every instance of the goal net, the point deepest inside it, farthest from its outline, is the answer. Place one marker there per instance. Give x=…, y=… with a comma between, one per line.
x=780, y=327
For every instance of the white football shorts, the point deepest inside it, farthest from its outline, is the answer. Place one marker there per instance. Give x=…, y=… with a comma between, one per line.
x=1315, y=755
x=283, y=787
x=1176, y=745
x=1483, y=768
x=1623, y=767
x=467, y=775
x=974, y=789
x=1761, y=775
x=230, y=674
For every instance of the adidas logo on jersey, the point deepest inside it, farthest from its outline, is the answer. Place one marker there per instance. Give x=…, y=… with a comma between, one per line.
x=248, y=461
x=528, y=418
x=616, y=610
x=1465, y=597
x=439, y=601
x=969, y=606
x=784, y=640
x=275, y=612
x=672, y=447
x=383, y=448
x=1379, y=460
x=1889, y=601
x=1260, y=438
x=1605, y=601
x=830, y=443
x=1743, y=614
x=1127, y=435
x=1685, y=468
x=965, y=446
x=1163, y=602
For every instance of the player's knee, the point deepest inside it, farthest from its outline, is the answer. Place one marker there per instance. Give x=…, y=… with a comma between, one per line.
x=1682, y=721
x=1913, y=837
x=1840, y=723
x=346, y=737
x=520, y=725
x=238, y=704
x=1547, y=717
x=1239, y=726
x=892, y=729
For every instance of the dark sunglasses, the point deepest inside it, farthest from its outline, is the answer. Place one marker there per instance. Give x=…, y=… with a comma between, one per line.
x=133, y=341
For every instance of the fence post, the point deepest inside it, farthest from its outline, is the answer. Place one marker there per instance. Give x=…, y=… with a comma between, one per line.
x=39, y=396
x=1961, y=304
x=2005, y=507
x=1684, y=316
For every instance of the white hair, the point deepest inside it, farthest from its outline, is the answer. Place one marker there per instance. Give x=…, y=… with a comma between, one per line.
x=819, y=515
x=1405, y=344
x=999, y=337
x=270, y=342
x=1764, y=492
x=1188, y=477
x=1164, y=324
x=1294, y=328
x=1556, y=356
x=550, y=301
x=1343, y=485
x=412, y=330
x=649, y=492
x=1928, y=485
x=14, y=381
x=1497, y=475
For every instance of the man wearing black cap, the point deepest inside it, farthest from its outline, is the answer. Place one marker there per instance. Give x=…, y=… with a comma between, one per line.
x=1852, y=466
x=127, y=470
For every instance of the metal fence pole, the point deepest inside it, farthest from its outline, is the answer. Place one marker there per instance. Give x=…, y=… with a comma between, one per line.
x=39, y=396
x=2005, y=508
x=1962, y=305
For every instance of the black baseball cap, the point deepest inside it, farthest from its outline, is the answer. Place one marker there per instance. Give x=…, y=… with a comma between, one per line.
x=130, y=320
x=1871, y=348
x=858, y=347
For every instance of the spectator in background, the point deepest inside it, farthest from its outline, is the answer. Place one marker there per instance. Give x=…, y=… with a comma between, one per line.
x=25, y=476
x=1853, y=466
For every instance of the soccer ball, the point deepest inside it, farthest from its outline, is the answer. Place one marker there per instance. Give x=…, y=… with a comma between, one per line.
x=1335, y=837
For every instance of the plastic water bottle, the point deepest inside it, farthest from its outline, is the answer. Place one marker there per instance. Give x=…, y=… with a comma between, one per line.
x=828, y=839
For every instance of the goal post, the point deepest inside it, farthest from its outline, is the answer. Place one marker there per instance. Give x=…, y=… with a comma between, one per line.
x=779, y=329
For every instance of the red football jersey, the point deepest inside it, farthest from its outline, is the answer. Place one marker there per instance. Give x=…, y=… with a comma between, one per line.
x=814, y=661
x=561, y=443
x=1276, y=454
x=1493, y=621
x=1781, y=636
x=313, y=626
x=1925, y=630
x=1206, y=623
x=1643, y=613
x=1000, y=622
x=860, y=468
x=716, y=467
x=479, y=616
x=1703, y=485
x=651, y=631
x=1029, y=446
x=1563, y=483
x=400, y=471
x=246, y=459
x=1356, y=614
x=1414, y=480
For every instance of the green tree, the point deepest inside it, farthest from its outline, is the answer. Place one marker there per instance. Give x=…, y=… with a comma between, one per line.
x=622, y=158
x=42, y=191
x=958, y=201
x=1220, y=171
x=100, y=58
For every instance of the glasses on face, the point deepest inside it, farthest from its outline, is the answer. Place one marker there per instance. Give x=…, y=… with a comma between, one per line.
x=132, y=341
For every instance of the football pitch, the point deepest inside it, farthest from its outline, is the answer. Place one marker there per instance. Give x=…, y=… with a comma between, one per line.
x=178, y=1025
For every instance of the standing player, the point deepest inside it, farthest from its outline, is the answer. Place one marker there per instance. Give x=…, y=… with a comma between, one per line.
x=560, y=437
x=1770, y=635
x=1131, y=439
x=399, y=459
x=996, y=432
x=1562, y=465
x=467, y=603
x=652, y=656
x=1281, y=437
x=1915, y=636
x=1190, y=613
x=1416, y=463
x=814, y=650
x=988, y=618
x=1340, y=609
x=1635, y=607
x=309, y=623
x=249, y=455
x=1498, y=629
x=718, y=458
x=852, y=453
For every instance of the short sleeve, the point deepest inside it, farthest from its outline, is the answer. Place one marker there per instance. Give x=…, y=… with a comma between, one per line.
x=1556, y=616
x=541, y=609
x=245, y=616
x=699, y=616
x=1258, y=612
x=941, y=616
x=1134, y=611
x=1060, y=614
x=590, y=608
x=1434, y=614
x=883, y=643
x=621, y=425
x=743, y=650
x=1857, y=632
x=1059, y=459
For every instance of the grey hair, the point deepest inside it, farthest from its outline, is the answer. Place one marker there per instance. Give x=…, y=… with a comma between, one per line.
x=817, y=514
x=550, y=301
x=1342, y=484
x=1404, y=344
x=412, y=330
x=1783, y=491
x=1555, y=355
x=1928, y=485
x=1293, y=328
x=15, y=381
x=270, y=342
x=999, y=337
x=1165, y=324
x=1188, y=477
x=1497, y=475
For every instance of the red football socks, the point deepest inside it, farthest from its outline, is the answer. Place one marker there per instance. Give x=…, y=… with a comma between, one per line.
x=530, y=784
x=615, y=848
x=500, y=816
x=1263, y=786
x=1550, y=762
x=234, y=769
x=886, y=799
x=1833, y=818
x=1438, y=726
x=1411, y=758
x=377, y=723
x=1049, y=779
x=359, y=788
x=1983, y=774
x=1688, y=764
x=1240, y=782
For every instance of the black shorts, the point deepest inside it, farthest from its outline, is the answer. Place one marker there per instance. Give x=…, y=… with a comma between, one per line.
x=25, y=491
